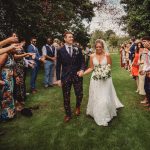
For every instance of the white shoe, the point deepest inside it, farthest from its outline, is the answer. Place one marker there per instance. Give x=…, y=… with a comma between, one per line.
x=105, y=125
x=46, y=86
x=27, y=94
x=137, y=91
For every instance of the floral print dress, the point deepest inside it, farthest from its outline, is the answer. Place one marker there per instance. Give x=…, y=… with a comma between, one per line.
x=7, y=100
x=20, y=89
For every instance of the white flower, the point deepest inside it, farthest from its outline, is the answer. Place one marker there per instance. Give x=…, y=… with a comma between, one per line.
x=102, y=72
x=76, y=50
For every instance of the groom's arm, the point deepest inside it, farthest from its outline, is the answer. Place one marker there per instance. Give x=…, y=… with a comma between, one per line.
x=58, y=65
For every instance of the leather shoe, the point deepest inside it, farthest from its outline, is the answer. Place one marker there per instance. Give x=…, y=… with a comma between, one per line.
x=146, y=105
x=77, y=112
x=36, y=90
x=67, y=119
x=33, y=91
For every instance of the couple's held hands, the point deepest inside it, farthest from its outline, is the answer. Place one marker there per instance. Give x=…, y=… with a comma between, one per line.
x=80, y=73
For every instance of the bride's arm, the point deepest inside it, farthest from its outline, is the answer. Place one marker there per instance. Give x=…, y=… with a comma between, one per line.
x=90, y=69
x=109, y=61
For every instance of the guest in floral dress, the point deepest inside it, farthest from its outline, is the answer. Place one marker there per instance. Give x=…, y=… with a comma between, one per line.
x=7, y=100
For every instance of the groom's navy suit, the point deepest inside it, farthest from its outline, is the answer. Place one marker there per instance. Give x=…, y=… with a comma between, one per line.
x=70, y=65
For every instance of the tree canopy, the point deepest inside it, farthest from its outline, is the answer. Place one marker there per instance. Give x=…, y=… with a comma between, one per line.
x=109, y=36
x=43, y=18
x=137, y=18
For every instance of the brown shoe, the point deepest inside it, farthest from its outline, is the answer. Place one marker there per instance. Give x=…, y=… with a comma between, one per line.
x=148, y=109
x=67, y=119
x=77, y=112
x=146, y=105
x=143, y=102
x=33, y=91
x=36, y=90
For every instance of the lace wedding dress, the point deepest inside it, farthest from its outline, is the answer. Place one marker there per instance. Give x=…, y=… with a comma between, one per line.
x=103, y=101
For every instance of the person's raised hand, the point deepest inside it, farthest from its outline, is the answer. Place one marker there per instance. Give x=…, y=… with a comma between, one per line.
x=2, y=82
x=14, y=46
x=12, y=40
x=43, y=59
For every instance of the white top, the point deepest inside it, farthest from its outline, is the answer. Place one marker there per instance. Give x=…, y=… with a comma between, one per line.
x=44, y=51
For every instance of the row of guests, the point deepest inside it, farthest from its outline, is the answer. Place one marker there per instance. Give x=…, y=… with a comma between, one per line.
x=13, y=63
x=140, y=68
x=13, y=71
x=49, y=52
x=48, y=57
x=127, y=52
x=12, y=77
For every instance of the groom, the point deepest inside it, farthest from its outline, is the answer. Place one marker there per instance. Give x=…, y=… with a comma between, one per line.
x=71, y=60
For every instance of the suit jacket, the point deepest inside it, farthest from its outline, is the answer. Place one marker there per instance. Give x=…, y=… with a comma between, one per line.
x=132, y=50
x=70, y=65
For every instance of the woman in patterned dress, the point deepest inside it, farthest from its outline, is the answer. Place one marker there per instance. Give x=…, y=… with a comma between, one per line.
x=7, y=99
x=20, y=88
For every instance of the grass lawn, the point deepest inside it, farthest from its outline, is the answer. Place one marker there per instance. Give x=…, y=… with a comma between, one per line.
x=45, y=130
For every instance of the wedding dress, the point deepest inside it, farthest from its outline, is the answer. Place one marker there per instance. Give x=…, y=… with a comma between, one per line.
x=103, y=101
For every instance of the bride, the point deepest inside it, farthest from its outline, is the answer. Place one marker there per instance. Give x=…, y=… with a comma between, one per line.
x=103, y=101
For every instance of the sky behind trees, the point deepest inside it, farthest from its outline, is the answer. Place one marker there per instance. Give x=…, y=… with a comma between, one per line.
x=108, y=17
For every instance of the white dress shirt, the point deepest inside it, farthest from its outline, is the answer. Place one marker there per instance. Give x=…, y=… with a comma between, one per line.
x=66, y=45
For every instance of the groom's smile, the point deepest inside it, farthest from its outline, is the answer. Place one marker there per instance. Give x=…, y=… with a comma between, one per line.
x=69, y=39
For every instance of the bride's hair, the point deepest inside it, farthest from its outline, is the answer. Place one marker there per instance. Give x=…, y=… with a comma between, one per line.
x=100, y=42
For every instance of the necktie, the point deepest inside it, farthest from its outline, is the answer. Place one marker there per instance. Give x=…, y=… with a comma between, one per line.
x=70, y=52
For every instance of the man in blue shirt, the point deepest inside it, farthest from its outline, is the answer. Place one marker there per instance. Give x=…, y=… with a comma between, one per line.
x=132, y=50
x=34, y=71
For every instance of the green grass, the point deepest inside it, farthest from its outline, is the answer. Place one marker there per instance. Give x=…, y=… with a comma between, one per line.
x=130, y=130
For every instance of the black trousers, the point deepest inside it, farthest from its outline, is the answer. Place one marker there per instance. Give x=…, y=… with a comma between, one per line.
x=66, y=88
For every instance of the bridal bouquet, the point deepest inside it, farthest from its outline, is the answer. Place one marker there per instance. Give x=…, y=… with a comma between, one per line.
x=102, y=72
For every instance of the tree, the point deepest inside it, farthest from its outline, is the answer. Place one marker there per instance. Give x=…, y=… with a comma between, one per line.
x=113, y=40
x=45, y=17
x=137, y=20
x=109, y=33
x=98, y=34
